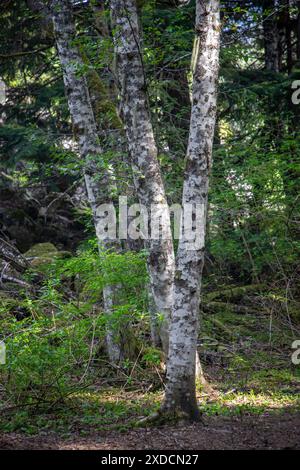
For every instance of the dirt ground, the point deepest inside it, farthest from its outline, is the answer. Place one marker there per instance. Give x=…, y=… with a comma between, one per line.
x=248, y=432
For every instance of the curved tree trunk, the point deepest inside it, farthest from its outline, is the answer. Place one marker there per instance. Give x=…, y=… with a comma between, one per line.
x=180, y=394
x=99, y=182
x=148, y=182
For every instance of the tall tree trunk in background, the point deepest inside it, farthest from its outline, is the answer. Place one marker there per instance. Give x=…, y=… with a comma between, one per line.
x=271, y=36
x=288, y=32
x=298, y=32
x=180, y=394
x=98, y=181
x=284, y=36
x=148, y=182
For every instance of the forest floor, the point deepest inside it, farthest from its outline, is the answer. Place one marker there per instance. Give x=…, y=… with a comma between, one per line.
x=254, y=402
x=263, y=432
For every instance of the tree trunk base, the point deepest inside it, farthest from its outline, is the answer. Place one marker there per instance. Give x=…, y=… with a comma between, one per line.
x=171, y=416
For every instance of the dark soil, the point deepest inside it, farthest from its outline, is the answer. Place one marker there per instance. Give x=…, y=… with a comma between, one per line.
x=281, y=431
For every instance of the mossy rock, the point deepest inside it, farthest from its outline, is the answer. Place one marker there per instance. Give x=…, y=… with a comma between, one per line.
x=294, y=313
x=7, y=302
x=6, y=299
x=44, y=253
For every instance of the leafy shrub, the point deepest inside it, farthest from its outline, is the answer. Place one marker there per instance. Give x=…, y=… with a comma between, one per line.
x=52, y=352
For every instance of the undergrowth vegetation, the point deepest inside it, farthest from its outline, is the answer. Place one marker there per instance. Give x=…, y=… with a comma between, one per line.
x=57, y=375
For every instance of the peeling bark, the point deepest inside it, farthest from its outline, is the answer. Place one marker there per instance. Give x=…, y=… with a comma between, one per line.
x=148, y=182
x=99, y=182
x=14, y=280
x=180, y=394
x=12, y=255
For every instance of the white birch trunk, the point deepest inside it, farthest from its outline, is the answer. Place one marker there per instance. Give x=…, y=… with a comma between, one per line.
x=99, y=182
x=143, y=151
x=180, y=394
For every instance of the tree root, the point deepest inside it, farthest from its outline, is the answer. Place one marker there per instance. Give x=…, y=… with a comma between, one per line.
x=169, y=416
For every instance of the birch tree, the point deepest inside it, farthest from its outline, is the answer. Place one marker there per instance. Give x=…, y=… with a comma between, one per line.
x=99, y=181
x=180, y=393
x=183, y=293
x=148, y=181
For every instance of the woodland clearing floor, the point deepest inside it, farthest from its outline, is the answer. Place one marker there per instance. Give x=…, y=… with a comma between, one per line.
x=253, y=403
x=248, y=432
